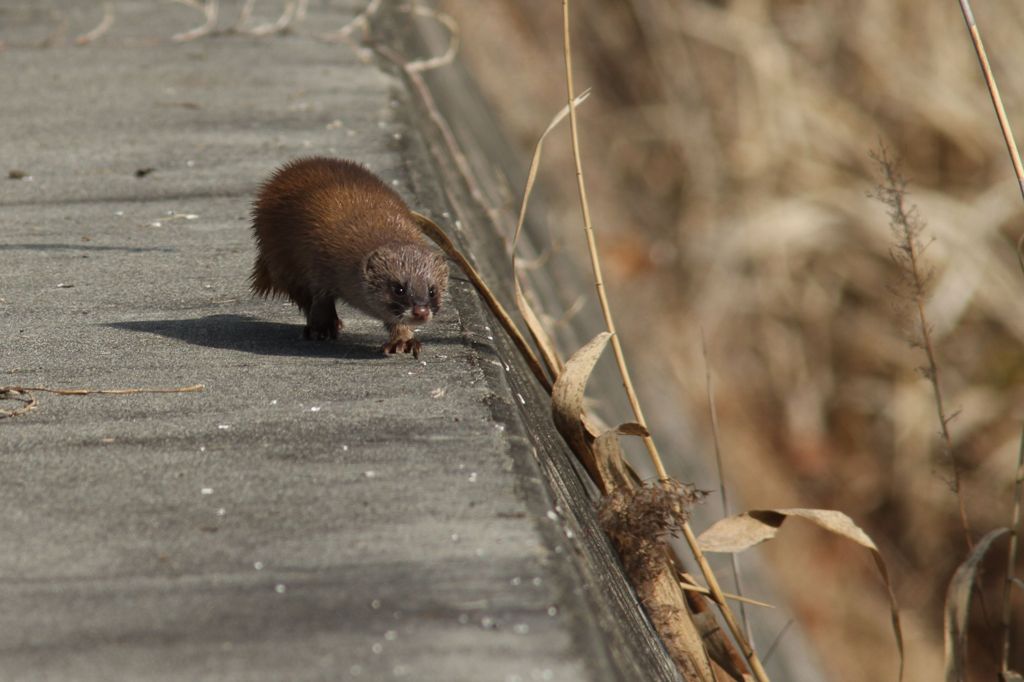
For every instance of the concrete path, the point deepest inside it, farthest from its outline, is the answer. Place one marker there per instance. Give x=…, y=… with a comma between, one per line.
x=317, y=511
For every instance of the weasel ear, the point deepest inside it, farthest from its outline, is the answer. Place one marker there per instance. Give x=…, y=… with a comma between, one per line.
x=374, y=262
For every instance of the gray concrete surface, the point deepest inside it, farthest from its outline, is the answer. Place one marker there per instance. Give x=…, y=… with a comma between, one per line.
x=319, y=511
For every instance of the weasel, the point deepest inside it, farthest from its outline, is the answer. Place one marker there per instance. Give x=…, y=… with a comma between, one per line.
x=327, y=229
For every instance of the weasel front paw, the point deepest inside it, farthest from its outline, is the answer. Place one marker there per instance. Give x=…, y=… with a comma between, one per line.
x=401, y=345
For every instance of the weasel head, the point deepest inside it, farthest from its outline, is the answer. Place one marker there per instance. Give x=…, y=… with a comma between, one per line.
x=404, y=283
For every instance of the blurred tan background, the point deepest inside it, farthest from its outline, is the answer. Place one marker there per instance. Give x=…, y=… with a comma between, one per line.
x=727, y=153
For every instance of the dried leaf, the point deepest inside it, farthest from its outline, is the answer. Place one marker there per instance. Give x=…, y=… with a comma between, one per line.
x=958, y=604
x=737, y=533
x=567, y=401
x=613, y=471
x=632, y=429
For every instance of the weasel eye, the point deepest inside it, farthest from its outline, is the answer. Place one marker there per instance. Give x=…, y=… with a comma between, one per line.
x=398, y=289
x=432, y=292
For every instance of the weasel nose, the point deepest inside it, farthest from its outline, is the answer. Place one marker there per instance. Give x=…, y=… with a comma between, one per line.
x=421, y=312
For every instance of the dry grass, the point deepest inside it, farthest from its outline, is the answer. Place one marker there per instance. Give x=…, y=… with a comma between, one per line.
x=727, y=149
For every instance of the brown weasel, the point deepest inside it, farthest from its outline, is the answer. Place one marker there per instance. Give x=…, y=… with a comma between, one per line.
x=327, y=229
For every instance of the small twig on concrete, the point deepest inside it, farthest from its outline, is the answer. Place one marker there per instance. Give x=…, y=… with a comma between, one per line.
x=448, y=22
x=57, y=35
x=244, y=15
x=426, y=98
x=210, y=9
x=361, y=22
x=101, y=28
x=9, y=393
x=24, y=394
x=289, y=15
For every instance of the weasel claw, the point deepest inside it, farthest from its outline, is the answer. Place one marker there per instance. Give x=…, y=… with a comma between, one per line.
x=403, y=346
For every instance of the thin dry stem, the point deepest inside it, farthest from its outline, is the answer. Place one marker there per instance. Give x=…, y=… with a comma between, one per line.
x=691, y=539
x=1020, y=253
x=690, y=587
x=713, y=410
x=778, y=639
x=595, y=263
x=907, y=227
x=1011, y=560
x=993, y=90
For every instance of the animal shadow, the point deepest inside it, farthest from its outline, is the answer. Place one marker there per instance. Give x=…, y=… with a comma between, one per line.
x=250, y=335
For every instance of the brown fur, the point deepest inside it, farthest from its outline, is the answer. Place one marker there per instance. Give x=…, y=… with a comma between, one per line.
x=328, y=229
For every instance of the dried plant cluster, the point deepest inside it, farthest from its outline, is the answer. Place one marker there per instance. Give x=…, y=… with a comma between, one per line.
x=728, y=155
x=639, y=520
